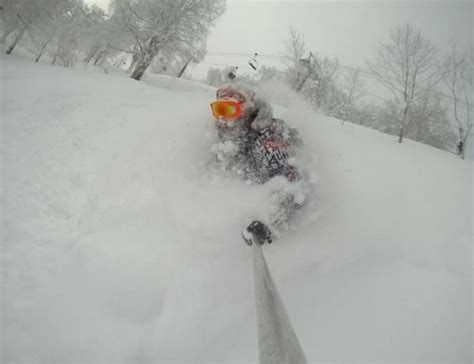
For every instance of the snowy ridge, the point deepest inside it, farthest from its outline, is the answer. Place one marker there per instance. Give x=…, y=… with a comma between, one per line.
x=119, y=245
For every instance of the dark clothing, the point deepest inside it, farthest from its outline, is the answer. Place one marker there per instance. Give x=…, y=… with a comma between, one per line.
x=263, y=153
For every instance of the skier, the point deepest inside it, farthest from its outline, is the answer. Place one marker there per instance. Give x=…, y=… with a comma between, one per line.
x=231, y=73
x=258, y=147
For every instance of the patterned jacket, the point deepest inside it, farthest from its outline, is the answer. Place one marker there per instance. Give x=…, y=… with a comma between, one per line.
x=265, y=146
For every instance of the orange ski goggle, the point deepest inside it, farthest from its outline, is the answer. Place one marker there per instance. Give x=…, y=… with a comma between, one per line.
x=227, y=109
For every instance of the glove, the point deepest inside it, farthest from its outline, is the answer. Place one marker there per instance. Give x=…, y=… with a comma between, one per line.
x=257, y=232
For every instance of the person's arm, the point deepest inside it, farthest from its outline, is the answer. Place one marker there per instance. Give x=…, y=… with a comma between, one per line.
x=288, y=196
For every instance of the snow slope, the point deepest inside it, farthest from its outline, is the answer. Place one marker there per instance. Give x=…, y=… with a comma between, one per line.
x=119, y=245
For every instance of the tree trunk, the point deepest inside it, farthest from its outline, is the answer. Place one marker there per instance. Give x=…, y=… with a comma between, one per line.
x=16, y=40
x=89, y=58
x=301, y=82
x=133, y=63
x=400, y=135
x=97, y=58
x=145, y=60
x=184, y=68
x=404, y=121
x=39, y=56
x=91, y=55
x=140, y=69
x=100, y=57
x=41, y=51
x=100, y=62
x=464, y=143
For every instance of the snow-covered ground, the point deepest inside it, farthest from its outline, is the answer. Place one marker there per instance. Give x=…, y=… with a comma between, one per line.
x=119, y=245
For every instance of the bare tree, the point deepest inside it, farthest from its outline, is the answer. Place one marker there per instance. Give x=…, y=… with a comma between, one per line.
x=9, y=21
x=407, y=66
x=458, y=78
x=320, y=83
x=95, y=34
x=353, y=86
x=267, y=73
x=294, y=48
x=293, y=53
x=45, y=25
x=314, y=76
x=352, y=89
x=16, y=15
x=429, y=122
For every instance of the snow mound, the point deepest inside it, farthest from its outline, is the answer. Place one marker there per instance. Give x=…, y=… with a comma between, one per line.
x=120, y=245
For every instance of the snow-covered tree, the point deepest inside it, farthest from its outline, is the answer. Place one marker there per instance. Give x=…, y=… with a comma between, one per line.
x=174, y=62
x=16, y=19
x=366, y=114
x=45, y=26
x=267, y=73
x=407, y=66
x=215, y=77
x=429, y=118
x=313, y=75
x=9, y=20
x=168, y=26
x=55, y=29
x=320, y=86
x=96, y=34
x=430, y=123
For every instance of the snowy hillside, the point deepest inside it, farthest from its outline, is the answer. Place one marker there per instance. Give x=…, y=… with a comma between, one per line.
x=119, y=245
